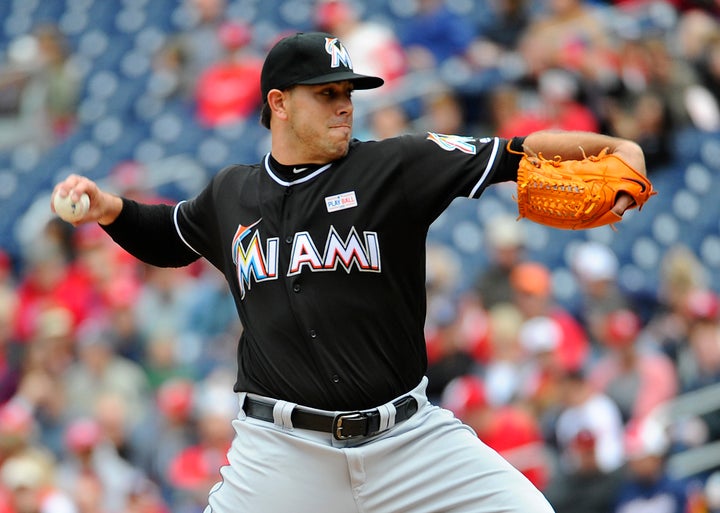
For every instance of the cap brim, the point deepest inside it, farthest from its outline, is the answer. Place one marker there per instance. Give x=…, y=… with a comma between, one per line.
x=359, y=81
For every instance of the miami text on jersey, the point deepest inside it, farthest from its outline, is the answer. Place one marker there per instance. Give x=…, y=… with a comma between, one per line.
x=362, y=253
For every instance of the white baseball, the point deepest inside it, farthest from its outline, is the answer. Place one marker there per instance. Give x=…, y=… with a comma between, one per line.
x=69, y=210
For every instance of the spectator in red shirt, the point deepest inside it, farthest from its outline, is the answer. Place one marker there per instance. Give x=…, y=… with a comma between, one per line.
x=195, y=470
x=49, y=281
x=510, y=430
x=228, y=91
x=637, y=378
x=557, y=107
x=532, y=285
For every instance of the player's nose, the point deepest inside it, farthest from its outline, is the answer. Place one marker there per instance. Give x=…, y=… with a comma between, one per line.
x=344, y=106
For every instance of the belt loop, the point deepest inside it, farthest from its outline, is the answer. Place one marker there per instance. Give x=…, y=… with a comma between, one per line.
x=282, y=412
x=387, y=416
x=241, y=400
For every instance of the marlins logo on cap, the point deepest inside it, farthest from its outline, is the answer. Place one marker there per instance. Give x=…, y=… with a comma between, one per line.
x=338, y=53
x=308, y=59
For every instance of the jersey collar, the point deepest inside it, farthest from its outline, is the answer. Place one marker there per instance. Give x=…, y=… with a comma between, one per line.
x=300, y=179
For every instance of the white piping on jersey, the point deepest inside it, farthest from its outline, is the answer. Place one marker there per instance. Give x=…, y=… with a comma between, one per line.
x=177, y=227
x=491, y=161
x=299, y=180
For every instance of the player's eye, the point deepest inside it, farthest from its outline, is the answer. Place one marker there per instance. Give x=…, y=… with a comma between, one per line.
x=334, y=92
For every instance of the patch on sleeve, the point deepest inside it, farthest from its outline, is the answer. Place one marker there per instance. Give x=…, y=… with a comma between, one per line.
x=454, y=142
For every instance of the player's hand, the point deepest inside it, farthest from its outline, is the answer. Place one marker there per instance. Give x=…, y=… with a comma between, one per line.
x=622, y=203
x=104, y=207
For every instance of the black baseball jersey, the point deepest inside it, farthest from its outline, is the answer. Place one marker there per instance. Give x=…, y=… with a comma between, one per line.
x=326, y=265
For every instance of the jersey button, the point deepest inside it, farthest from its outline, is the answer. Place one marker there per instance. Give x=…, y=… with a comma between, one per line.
x=289, y=239
x=335, y=378
x=288, y=191
x=296, y=287
x=313, y=334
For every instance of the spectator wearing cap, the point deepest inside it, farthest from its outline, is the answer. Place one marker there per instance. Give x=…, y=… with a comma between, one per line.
x=40, y=84
x=540, y=375
x=510, y=430
x=456, y=327
x=568, y=34
x=99, y=371
x=146, y=498
x=681, y=273
x=533, y=295
x=637, y=378
x=646, y=485
x=501, y=370
x=48, y=281
x=581, y=485
x=165, y=431
x=18, y=432
x=595, y=267
x=505, y=238
x=211, y=328
x=443, y=112
x=585, y=409
x=164, y=301
x=44, y=359
x=227, y=91
x=195, y=469
x=31, y=488
x=449, y=355
x=179, y=63
x=558, y=107
x=92, y=466
x=699, y=361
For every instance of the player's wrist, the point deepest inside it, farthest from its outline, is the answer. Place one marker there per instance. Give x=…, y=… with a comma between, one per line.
x=111, y=207
x=632, y=153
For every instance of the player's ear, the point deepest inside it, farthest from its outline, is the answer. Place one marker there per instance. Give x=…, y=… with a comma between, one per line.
x=276, y=100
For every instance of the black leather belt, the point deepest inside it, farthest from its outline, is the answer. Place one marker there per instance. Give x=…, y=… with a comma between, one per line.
x=343, y=426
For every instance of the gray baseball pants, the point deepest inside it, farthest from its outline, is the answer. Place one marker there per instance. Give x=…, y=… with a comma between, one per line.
x=430, y=463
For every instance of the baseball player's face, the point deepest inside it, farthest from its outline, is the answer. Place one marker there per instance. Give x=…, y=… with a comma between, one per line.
x=320, y=120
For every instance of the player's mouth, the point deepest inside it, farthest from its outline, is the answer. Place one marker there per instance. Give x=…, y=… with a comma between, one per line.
x=343, y=127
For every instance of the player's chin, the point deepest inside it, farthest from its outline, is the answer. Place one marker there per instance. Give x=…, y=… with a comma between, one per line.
x=340, y=144
x=338, y=151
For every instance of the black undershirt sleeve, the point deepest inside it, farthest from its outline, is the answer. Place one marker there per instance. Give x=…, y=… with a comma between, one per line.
x=148, y=233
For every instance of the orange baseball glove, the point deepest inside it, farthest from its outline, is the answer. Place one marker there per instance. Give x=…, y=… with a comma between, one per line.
x=577, y=194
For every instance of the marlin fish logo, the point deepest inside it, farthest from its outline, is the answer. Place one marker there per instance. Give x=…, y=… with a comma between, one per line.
x=453, y=142
x=251, y=260
x=338, y=53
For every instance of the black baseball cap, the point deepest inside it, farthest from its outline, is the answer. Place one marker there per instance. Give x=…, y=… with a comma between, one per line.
x=310, y=58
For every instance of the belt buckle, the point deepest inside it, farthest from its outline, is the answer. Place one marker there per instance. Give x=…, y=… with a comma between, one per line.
x=349, y=425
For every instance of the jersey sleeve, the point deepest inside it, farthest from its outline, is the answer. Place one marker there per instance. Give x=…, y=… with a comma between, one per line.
x=439, y=168
x=197, y=221
x=148, y=233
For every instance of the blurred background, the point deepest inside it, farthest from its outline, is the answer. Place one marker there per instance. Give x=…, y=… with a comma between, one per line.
x=590, y=359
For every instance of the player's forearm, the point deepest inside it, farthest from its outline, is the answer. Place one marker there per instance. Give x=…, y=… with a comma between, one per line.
x=148, y=233
x=571, y=145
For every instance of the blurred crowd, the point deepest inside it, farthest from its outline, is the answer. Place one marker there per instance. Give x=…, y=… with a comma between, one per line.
x=116, y=377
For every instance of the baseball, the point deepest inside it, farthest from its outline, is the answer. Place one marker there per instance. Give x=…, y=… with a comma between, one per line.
x=69, y=210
